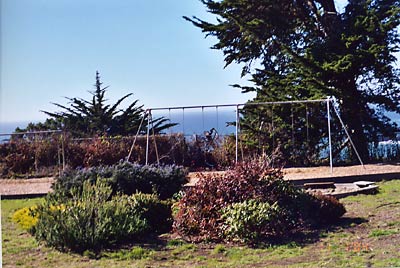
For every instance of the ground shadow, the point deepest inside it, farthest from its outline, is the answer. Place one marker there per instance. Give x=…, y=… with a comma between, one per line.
x=302, y=237
x=312, y=234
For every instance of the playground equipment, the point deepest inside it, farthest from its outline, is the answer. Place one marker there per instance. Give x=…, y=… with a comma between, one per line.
x=207, y=138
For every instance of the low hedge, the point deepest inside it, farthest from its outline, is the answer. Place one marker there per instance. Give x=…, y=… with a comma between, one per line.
x=126, y=178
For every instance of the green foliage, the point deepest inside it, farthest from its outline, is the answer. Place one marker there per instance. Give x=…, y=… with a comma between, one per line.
x=157, y=213
x=295, y=135
x=309, y=50
x=92, y=219
x=249, y=202
x=127, y=178
x=251, y=220
x=48, y=124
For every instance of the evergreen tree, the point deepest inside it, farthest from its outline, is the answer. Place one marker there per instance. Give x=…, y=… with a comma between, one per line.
x=85, y=118
x=307, y=49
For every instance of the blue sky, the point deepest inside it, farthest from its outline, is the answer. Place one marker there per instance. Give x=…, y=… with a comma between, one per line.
x=52, y=48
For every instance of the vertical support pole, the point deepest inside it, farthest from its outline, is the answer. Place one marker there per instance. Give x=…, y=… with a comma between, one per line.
x=59, y=156
x=148, y=136
x=273, y=136
x=183, y=122
x=35, y=142
x=328, y=100
x=293, y=137
x=216, y=110
x=202, y=117
x=307, y=126
x=169, y=117
x=237, y=135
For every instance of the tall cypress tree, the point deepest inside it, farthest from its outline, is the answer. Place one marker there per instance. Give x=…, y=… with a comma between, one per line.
x=308, y=49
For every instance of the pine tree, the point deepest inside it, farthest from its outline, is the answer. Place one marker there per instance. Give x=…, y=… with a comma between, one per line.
x=86, y=118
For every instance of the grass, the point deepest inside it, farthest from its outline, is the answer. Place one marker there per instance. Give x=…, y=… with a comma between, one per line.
x=379, y=232
x=135, y=253
x=368, y=236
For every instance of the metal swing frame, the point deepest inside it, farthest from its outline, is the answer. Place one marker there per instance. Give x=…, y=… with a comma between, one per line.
x=330, y=101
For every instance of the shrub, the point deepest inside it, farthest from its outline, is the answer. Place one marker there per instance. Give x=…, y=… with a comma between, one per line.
x=247, y=188
x=157, y=213
x=251, y=220
x=92, y=220
x=26, y=218
x=33, y=154
x=127, y=178
x=21, y=156
x=199, y=215
x=103, y=152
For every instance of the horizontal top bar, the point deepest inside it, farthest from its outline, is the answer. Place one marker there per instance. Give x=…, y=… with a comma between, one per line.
x=236, y=105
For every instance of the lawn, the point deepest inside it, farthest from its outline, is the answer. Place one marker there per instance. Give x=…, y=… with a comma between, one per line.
x=367, y=236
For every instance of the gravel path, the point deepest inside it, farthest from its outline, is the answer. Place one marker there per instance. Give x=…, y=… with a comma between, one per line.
x=43, y=185
x=324, y=172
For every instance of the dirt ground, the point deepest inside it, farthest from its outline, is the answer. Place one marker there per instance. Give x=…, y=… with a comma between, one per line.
x=43, y=185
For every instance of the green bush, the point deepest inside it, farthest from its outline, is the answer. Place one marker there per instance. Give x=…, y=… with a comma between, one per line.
x=157, y=212
x=127, y=178
x=252, y=220
x=92, y=220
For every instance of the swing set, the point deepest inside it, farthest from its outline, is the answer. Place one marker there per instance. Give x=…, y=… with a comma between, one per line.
x=210, y=136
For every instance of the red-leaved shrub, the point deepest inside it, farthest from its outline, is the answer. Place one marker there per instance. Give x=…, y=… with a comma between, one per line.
x=200, y=210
